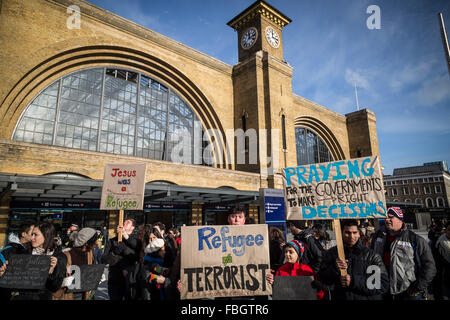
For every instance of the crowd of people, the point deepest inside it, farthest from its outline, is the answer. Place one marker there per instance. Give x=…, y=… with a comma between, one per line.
x=390, y=263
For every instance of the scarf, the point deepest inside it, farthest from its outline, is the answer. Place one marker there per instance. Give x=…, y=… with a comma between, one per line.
x=443, y=246
x=41, y=251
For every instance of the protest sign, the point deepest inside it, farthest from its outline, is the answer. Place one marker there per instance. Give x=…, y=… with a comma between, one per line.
x=89, y=279
x=335, y=190
x=224, y=261
x=293, y=288
x=26, y=271
x=123, y=187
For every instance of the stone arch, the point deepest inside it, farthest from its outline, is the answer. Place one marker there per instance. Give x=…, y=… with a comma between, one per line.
x=63, y=63
x=319, y=128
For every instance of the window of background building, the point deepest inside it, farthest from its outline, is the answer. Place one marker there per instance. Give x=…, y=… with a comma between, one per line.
x=394, y=192
x=418, y=201
x=437, y=189
x=416, y=190
x=405, y=191
x=108, y=110
x=429, y=202
x=440, y=202
x=310, y=147
x=426, y=189
x=407, y=200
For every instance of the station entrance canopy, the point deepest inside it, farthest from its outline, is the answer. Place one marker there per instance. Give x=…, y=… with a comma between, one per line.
x=71, y=189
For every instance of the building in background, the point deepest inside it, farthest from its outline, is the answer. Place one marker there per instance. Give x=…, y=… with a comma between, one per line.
x=427, y=186
x=112, y=91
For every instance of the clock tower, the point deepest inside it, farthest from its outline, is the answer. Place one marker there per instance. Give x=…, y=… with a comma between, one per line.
x=259, y=27
x=262, y=89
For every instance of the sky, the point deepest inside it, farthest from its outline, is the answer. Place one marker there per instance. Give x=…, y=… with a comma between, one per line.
x=400, y=69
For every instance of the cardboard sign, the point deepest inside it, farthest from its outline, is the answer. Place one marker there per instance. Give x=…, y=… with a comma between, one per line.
x=90, y=278
x=335, y=190
x=26, y=271
x=224, y=261
x=293, y=288
x=123, y=187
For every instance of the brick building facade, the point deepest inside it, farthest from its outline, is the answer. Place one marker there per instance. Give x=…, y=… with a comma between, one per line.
x=72, y=100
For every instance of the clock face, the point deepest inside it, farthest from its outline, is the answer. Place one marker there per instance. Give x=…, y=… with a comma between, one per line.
x=272, y=37
x=249, y=38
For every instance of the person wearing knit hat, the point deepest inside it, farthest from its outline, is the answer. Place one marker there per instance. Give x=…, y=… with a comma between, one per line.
x=82, y=236
x=293, y=251
x=81, y=253
x=407, y=257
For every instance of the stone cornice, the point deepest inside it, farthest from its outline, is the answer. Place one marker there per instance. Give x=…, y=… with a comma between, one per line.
x=130, y=27
x=299, y=99
x=259, y=8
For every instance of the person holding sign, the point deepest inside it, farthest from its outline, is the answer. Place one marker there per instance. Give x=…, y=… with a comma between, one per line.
x=81, y=254
x=43, y=243
x=22, y=246
x=293, y=251
x=122, y=258
x=366, y=277
x=407, y=257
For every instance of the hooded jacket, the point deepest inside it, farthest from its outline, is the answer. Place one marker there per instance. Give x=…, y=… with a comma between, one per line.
x=360, y=259
x=313, y=253
x=411, y=261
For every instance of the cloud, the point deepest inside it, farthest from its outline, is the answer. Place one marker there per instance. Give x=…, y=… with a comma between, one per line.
x=413, y=125
x=352, y=76
x=410, y=75
x=434, y=90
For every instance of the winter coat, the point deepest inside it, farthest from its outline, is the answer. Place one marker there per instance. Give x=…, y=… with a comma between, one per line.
x=442, y=264
x=62, y=293
x=360, y=258
x=298, y=269
x=313, y=253
x=121, y=255
x=411, y=261
x=54, y=281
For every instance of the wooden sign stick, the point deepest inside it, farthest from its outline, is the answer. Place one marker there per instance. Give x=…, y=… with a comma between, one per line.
x=119, y=236
x=340, y=244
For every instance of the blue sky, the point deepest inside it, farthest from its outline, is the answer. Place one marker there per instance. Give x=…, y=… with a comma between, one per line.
x=400, y=69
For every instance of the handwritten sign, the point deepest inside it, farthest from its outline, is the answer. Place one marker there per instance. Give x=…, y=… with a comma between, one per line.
x=123, y=187
x=293, y=288
x=90, y=278
x=25, y=271
x=335, y=190
x=224, y=261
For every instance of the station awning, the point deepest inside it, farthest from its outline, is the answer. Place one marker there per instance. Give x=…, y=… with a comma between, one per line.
x=68, y=187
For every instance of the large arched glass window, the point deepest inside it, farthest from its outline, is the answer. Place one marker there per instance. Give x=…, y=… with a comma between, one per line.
x=109, y=110
x=310, y=147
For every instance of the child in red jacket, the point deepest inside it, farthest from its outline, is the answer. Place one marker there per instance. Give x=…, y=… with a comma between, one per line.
x=293, y=251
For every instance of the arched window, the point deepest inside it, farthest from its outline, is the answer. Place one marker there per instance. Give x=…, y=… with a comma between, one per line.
x=429, y=203
x=440, y=202
x=419, y=201
x=110, y=110
x=310, y=147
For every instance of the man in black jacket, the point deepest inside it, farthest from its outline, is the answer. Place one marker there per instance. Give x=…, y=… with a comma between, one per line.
x=122, y=258
x=312, y=255
x=366, y=278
